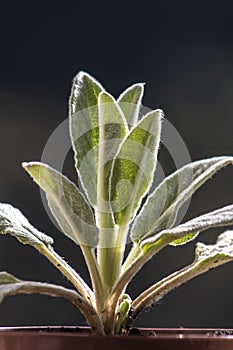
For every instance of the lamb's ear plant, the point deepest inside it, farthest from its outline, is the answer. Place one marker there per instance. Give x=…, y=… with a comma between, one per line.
x=115, y=152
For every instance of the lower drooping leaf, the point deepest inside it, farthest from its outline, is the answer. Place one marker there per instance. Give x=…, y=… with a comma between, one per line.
x=10, y=285
x=187, y=231
x=206, y=258
x=161, y=208
x=67, y=204
x=222, y=250
x=185, y=239
x=13, y=222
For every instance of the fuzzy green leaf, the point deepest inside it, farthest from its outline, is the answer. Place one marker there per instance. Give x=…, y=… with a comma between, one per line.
x=112, y=129
x=7, y=278
x=130, y=102
x=13, y=222
x=10, y=285
x=124, y=308
x=84, y=94
x=221, y=250
x=189, y=229
x=185, y=239
x=162, y=206
x=216, y=253
x=134, y=166
x=206, y=258
x=84, y=130
x=67, y=204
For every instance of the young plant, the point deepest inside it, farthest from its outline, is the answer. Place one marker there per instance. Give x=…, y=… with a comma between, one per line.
x=115, y=158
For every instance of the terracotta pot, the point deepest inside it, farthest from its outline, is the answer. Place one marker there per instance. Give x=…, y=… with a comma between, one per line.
x=73, y=338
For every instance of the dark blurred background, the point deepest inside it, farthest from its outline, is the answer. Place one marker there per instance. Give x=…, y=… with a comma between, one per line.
x=183, y=51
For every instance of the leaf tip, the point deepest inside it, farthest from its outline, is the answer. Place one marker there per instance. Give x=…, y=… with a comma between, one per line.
x=160, y=112
x=106, y=97
x=83, y=76
x=25, y=164
x=141, y=85
x=80, y=75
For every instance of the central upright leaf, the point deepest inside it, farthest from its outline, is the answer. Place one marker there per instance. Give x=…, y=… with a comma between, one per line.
x=112, y=129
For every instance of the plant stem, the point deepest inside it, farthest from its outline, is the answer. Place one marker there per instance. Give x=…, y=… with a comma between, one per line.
x=110, y=259
x=109, y=256
x=121, y=242
x=117, y=291
x=67, y=271
x=110, y=267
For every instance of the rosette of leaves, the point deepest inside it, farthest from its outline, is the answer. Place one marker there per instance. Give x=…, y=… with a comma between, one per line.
x=115, y=151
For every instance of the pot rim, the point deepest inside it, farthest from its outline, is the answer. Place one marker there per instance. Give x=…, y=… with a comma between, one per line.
x=157, y=333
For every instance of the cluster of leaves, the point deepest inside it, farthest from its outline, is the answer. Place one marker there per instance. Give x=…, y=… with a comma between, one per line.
x=115, y=158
